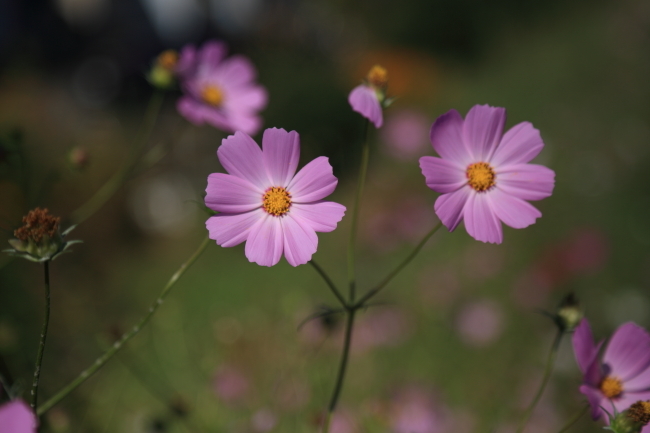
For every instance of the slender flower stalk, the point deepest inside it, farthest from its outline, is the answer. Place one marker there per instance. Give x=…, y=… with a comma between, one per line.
x=329, y=283
x=86, y=210
x=547, y=375
x=363, y=170
x=108, y=354
x=575, y=419
x=398, y=269
x=41, y=346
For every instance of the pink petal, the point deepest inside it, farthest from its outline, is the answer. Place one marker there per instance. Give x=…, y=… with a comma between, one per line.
x=449, y=207
x=480, y=220
x=442, y=175
x=281, y=150
x=264, y=244
x=232, y=194
x=186, y=61
x=363, y=100
x=248, y=123
x=210, y=55
x=628, y=351
x=314, y=181
x=300, y=240
x=526, y=181
x=595, y=398
x=232, y=229
x=447, y=139
x=584, y=347
x=513, y=211
x=321, y=216
x=640, y=382
x=17, y=417
x=519, y=145
x=242, y=157
x=236, y=71
x=247, y=100
x=482, y=130
x=629, y=398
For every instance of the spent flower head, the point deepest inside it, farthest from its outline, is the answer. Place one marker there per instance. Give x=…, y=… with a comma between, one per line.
x=483, y=174
x=368, y=98
x=219, y=91
x=265, y=203
x=39, y=238
x=621, y=376
x=632, y=420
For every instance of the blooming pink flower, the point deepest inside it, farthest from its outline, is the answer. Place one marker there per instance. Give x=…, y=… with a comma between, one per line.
x=265, y=203
x=484, y=175
x=17, y=417
x=366, y=99
x=623, y=374
x=219, y=91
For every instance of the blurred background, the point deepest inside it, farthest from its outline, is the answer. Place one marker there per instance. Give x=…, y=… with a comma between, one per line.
x=457, y=343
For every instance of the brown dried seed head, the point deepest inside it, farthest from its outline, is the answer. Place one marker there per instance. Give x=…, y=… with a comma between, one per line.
x=36, y=224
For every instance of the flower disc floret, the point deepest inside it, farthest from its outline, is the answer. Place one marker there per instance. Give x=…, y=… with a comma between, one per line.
x=263, y=201
x=484, y=175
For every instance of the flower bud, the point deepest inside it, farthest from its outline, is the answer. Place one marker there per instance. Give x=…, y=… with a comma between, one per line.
x=568, y=314
x=162, y=73
x=377, y=78
x=631, y=420
x=39, y=239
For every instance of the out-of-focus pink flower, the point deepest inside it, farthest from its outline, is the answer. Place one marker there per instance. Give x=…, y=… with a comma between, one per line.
x=405, y=134
x=264, y=203
x=367, y=98
x=480, y=323
x=264, y=420
x=230, y=384
x=414, y=410
x=17, y=417
x=483, y=174
x=219, y=91
x=381, y=327
x=622, y=376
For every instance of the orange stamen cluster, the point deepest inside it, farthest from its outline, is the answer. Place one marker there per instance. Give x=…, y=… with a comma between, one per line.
x=212, y=95
x=36, y=224
x=611, y=387
x=276, y=201
x=481, y=176
x=168, y=59
x=378, y=76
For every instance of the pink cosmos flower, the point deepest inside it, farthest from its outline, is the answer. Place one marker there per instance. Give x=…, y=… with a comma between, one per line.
x=622, y=376
x=219, y=91
x=264, y=203
x=17, y=417
x=366, y=99
x=483, y=174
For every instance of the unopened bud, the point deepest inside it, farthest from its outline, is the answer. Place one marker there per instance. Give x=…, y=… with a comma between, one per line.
x=162, y=73
x=568, y=314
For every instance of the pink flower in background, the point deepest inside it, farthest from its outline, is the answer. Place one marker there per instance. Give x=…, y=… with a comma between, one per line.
x=264, y=203
x=405, y=134
x=230, y=384
x=623, y=374
x=219, y=91
x=480, y=323
x=367, y=98
x=415, y=410
x=483, y=174
x=17, y=417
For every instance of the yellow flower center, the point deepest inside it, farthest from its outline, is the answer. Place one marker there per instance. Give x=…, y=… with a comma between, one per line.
x=276, y=201
x=168, y=59
x=212, y=95
x=378, y=76
x=611, y=387
x=481, y=176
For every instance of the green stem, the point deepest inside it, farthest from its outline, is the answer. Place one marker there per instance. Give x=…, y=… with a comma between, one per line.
x=329, y=283
x=363, y=170
x=547, y=375
x=575, y=419
x=41, y=346
x=342, y=367
x=99, y=362
x=114, y=183
x=398, y=269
